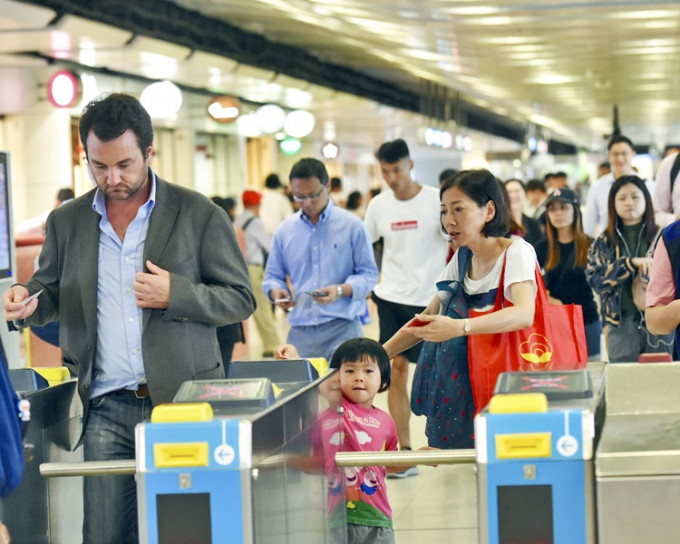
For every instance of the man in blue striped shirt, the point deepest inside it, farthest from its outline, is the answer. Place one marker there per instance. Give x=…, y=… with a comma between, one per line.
x=327, y=256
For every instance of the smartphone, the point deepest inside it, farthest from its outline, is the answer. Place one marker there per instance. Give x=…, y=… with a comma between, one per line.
x=316, y=293
x=418, y=323
x=655, y=358
x=282, y=300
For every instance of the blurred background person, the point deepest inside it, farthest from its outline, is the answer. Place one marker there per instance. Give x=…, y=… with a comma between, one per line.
x=337, y=194
x=258, y=245
x=230, y=335
x=446, y=174
x=536, y=198
x=275, y=205
x=227, y=204
x=35, y=226
x=517, y=197
x=666, y=195
x=563, y=255
x=355, y=204
x=616, y=258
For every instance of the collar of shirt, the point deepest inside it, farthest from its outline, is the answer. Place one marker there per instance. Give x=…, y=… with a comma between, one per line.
x=323, y=217
x=99, y=201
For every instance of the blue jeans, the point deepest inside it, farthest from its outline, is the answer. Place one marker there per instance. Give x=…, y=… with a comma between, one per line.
x=110, y=513
x=323, y=340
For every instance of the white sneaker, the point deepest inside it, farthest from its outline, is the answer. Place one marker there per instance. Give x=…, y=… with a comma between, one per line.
x=410, y=471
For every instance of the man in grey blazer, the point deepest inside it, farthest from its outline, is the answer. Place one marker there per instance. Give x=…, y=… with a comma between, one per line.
x=139, y=273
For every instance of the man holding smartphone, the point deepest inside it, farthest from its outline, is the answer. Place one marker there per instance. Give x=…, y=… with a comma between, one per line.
x=326, y=255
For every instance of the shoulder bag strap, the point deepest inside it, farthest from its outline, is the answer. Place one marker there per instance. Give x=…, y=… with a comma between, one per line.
x=541, y=294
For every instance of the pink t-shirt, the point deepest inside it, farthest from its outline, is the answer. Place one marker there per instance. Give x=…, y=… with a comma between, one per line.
x=364, y=429
x=661, y=288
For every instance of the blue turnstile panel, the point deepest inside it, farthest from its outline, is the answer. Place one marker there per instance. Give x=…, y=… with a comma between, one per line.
x=192, y=481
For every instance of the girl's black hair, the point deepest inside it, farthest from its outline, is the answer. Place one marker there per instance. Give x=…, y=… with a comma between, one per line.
x=361, y=349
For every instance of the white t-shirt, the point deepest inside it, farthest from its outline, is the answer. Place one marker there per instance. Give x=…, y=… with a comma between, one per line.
x=520, y=266
x=274, y=209
x=414, y=250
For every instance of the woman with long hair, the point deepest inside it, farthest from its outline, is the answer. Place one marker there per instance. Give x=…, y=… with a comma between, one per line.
x=563, y=257
x=526, y=227
x=475, y=217
x=619, y=262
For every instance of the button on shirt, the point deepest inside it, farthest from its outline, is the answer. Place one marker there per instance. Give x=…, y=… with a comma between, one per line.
x=118, y=360
x=336, y=250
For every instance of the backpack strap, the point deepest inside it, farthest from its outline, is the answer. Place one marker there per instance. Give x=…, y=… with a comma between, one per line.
x=245, y=225
x=464, y=258
x=675, y=170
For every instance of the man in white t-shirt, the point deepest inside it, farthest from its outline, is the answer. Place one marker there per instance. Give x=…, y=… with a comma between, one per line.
x=406, y=219
x=596, y=215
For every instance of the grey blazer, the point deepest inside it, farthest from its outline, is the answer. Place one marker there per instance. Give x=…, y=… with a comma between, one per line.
x=209, y=286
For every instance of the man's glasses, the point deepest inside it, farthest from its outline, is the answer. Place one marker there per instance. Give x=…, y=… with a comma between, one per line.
x=308, y=198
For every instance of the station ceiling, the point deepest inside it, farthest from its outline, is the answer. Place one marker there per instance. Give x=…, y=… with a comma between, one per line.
x=497, y=66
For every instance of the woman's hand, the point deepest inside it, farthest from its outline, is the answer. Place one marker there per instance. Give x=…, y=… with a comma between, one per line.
x=434, y=328
x=643, y=264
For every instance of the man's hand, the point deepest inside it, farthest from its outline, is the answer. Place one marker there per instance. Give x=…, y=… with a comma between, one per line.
x=12, y=301
x=282, y=298
x=152, y=289
x=330, y=294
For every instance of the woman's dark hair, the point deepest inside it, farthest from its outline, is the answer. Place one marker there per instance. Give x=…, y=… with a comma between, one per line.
x=108, y=116
x=482, y=187
x=363, y=349
x=581, y=240
x=649, y=227
x=353, y=200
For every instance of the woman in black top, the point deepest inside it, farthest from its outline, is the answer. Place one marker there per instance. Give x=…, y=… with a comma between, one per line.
x=563, y=256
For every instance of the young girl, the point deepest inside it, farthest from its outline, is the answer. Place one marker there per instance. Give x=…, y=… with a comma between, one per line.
x=364, y=370
x=616, y=257
x=475, y=217
x=563, y=256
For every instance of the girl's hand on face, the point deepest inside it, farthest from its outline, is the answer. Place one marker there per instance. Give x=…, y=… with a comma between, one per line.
x=437, y=328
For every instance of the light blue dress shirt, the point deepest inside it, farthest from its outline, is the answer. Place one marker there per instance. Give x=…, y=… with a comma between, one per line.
x=336, y=250
x=118, y=360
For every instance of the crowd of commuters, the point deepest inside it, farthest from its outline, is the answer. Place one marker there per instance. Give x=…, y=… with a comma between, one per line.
x=181, y=274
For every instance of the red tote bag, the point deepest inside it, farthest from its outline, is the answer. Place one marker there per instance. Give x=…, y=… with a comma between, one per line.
x=556, y=341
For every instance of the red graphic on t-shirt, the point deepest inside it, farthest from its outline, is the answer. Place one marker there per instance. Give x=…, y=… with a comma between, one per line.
x=405, y=225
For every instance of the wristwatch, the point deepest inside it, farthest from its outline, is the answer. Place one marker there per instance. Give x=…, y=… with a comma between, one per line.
x=466, y=326
x=338, y=291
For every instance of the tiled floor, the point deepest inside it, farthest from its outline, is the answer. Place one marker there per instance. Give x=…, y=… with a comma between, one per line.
x=437, y=506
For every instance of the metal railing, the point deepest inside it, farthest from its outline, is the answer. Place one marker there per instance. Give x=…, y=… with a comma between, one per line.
x=88, y=468
x=342, y=459
x=404, y=458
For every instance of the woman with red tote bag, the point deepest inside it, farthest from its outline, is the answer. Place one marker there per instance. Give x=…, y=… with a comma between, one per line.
x=475, y=217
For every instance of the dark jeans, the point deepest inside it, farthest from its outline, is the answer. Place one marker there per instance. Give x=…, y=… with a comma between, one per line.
x=111, y=501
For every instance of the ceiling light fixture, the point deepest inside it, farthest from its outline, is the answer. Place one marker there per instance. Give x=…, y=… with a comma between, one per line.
x=270, y=118
x=224, y=109
x=162, y=99
x=64, y=89
x=299, y=123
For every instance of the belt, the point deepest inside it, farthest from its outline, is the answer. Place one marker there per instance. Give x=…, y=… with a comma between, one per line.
x=141, y=393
